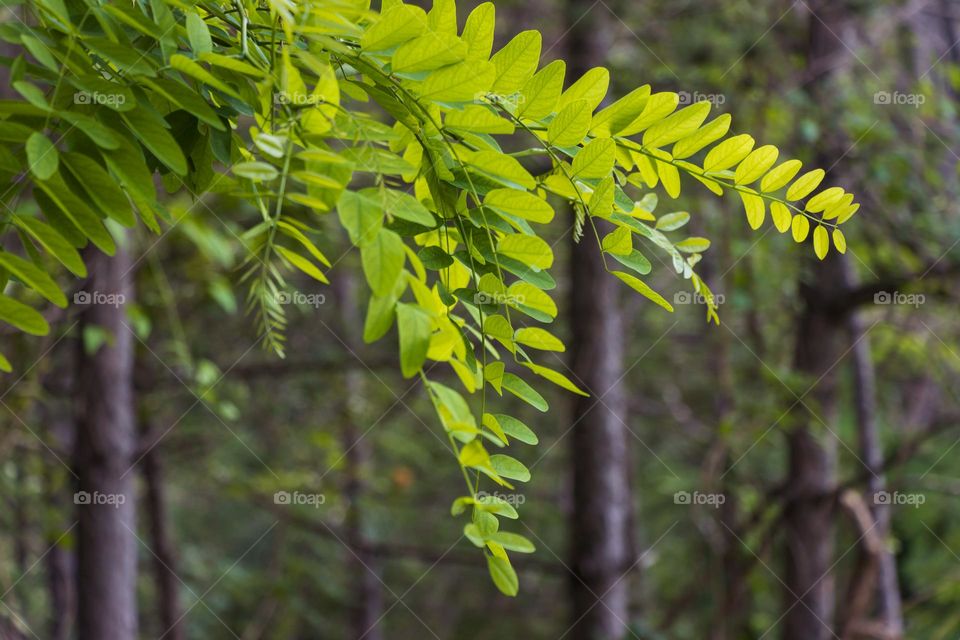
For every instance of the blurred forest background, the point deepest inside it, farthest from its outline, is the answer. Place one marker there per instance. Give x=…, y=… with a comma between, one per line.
x=792, y=473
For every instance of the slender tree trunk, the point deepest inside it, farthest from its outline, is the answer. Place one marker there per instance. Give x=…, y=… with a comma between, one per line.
x=871, y=452
x=601, y=546
x=164, y=557
x=60, y=561
x=107, y=547
x=811, y=475
x=367, y=595
x=809, y=512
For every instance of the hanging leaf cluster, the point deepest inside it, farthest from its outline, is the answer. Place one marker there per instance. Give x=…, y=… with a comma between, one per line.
x=442, y=160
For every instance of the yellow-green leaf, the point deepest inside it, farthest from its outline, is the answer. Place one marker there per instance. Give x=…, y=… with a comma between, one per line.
x=728, y=153
x=643, y=289
x=821, y=241
x=805, y=184
x=801, y=228
x=516, y=62
x=756, y=164
x=780, y=176
x=755, y=208
x=839, y=241
x=781, y=216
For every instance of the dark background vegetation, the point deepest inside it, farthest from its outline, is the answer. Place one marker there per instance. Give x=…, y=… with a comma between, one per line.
x=814, y=394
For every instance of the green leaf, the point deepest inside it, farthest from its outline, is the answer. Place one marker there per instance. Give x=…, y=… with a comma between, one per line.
x=595, y=160
x=643, y=289
x=703, y=137
x=361, y=215
x=556, y=378
x=636, y=261
x=523, y=295
x=413, y=328
x=673, y=221
x=198, y=34
x=518, y=387
x=516, y=62
x=383, y=260
x=521, y=204
x=670, y=177
x=42, y=156
x=396, y=25
x=511, y=468
x=80, y=215
x=185, y=65
x=429, y=51
x=693, y=245
x=504, y=169
x=478, y=32
x=516, y=429
x=618, y=242
x=591, y=86
x=530, y=250
x=512, y=542
x=156, y=138
x=302, y=264
x=728, y=153
x=503, y=575
x=22, y=317
x=538, y=338
x=256, y=171
x=405, y=206
x=614, y=119
x=542, y=92
x=658, y=107
x=34, y=277
x=570, y=125
x=462, y=82
x=53, y=242
x=102, y=188
x=677, y=126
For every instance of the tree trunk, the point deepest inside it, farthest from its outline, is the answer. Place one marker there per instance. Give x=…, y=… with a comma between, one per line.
x=164, y=558
x=367, y=595
x=811, y=474
x=871, y=452
x=107, y=547
x=60, y=561
x=600, y=531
